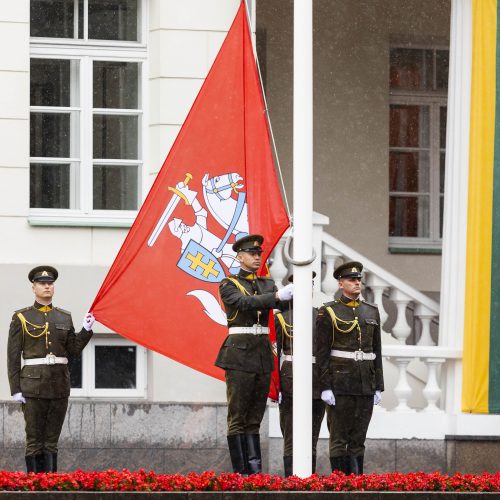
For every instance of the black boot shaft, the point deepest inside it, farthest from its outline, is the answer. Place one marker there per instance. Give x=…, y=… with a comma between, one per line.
x=288, y=465
x=237, y=452
x=341, y=464
x=50, y=460
x=254, y=459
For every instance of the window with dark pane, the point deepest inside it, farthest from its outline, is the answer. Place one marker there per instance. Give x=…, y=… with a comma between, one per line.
x=116, y=84
x=115, y=137
x=63, y=173
x=75, y=371
x=113, y=20
x=115, y=187
x=50, y=82
x=50, y=135
x=49, y=185
x=52, y=18
x=115, y=367
x=417, y=141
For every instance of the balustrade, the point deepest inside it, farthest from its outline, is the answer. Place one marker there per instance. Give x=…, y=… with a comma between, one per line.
x=402, y=343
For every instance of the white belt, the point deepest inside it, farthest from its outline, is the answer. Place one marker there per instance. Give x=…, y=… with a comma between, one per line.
x=356, y=355
x=254, y=330
x=50, y=359
x=289, y=357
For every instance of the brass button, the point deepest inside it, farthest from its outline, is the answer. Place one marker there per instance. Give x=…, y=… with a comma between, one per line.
x=50, y=343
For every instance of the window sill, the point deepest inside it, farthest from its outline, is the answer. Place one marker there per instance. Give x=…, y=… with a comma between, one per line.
x=79, y=220
x=415, y=250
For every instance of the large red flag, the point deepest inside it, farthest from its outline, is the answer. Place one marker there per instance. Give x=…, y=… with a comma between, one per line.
x=218, y=183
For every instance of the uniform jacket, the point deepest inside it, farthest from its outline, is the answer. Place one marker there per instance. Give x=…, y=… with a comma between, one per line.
x=342, y=375
x=285, y=346
x=42, y=381
x=247, y=352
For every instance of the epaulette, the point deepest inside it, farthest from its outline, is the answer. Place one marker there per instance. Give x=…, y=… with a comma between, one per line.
x=333, y=302
x=227, y=279
x=23, y=309
x=370, y=304
x=62, y=310
x=265, y=277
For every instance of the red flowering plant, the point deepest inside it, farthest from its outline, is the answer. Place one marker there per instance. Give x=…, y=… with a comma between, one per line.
x=112, y=480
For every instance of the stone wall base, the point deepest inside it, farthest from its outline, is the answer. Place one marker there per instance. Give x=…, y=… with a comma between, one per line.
x=180, y=438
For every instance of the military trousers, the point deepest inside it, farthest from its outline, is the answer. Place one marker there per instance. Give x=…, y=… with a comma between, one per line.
x=348, y=422
x=43, y=420
x=246, y=401
x=286, y=423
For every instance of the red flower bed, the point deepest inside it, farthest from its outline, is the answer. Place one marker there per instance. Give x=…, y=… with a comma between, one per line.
x=113, y=480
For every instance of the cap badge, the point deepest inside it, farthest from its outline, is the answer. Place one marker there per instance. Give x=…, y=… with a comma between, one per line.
x=354, y=270
x=45, y=273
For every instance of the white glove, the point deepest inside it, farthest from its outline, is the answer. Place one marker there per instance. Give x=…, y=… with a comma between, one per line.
x=328, y=397
x=377, y=398
x=188, y=193
x=286, y=293
x=18, y=397
x=88, y=321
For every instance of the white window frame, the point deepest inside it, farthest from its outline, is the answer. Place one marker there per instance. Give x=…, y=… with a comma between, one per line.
x=88, y=388
x=435, y=100
x=86, y=51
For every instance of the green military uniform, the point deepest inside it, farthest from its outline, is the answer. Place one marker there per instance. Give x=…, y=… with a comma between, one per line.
x=44, y=337
x=284, y=339
x=246, y=356
x=346, y=328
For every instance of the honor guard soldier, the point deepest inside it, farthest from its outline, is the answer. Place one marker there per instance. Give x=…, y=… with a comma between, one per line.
x=349, y=357
x=44, y=336
x=283, y=322
x=246, y=354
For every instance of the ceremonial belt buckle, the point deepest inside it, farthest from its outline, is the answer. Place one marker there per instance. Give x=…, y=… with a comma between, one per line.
x=258, y=329
x=358, y=355
x=50, y=359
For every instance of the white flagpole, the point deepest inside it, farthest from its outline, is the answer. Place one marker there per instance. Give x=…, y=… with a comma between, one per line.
x=302, y=236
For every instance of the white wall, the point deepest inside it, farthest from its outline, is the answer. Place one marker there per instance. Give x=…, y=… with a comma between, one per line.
x=184, y=38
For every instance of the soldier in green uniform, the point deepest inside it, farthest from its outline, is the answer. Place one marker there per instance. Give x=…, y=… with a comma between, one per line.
x=349, y=357
x=246, y=354
x=283, y=322
x=44, y=336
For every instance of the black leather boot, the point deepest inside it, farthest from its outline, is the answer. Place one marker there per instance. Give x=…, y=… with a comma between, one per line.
x=30, y=463
x=288, y=464
x=237, y=452
x=341, y=464
x=337, y=464
x=40, y=463
x=356, y=464
x=313, y=464
x=353, y=463
x=50, y=464
x=347, y=465
x=254, y=459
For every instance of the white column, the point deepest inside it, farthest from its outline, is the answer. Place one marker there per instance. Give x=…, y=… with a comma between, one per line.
x=456, y=195
x=432, y=391
x=303, y=237
x=403, y=389
x=401, y=329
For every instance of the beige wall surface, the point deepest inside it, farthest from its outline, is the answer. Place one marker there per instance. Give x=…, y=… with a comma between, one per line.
x=351, y=112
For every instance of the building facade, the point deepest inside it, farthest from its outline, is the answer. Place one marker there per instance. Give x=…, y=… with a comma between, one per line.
x=93, y=94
